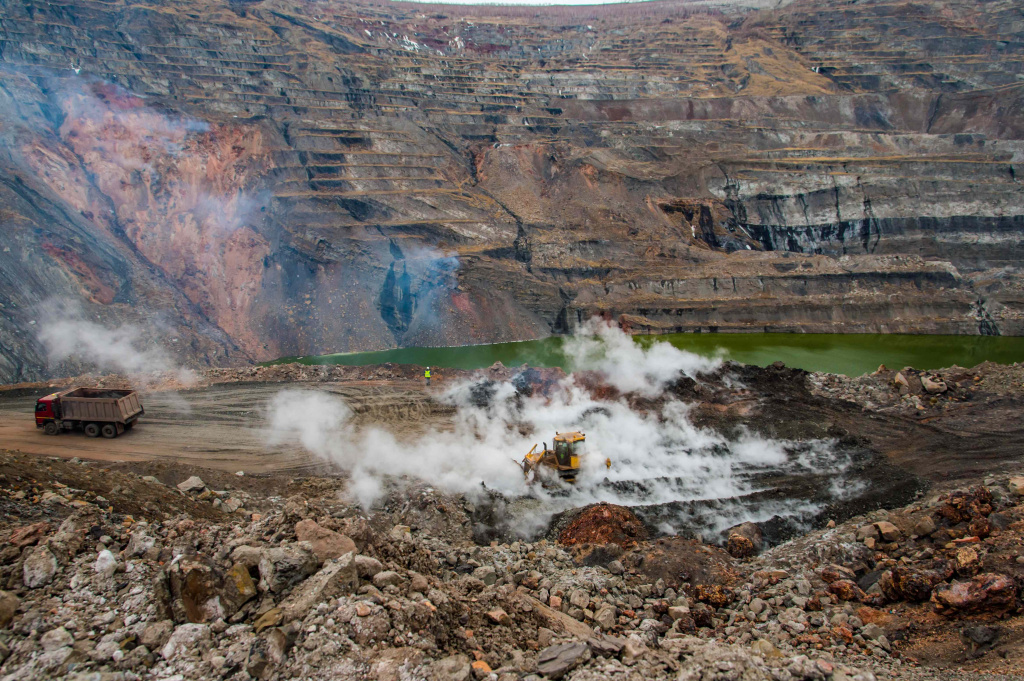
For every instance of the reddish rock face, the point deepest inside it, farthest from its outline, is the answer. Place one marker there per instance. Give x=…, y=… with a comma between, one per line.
x=184, y=192
x=986, y=593
x=27, y=535
x=964, y=506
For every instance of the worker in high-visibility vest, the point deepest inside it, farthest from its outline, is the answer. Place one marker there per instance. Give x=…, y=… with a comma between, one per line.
x=426, y=375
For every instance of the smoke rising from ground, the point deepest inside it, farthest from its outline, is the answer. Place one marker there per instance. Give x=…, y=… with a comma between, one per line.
x=128, y=349
x=629, y=367
x=659, y=457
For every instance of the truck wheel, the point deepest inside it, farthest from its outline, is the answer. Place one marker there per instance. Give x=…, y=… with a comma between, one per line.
x=51, y=428
x=129, y=426
x=92, y=430
x=109, y=430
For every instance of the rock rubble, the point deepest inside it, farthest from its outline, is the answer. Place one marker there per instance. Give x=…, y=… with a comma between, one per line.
x=310, y=587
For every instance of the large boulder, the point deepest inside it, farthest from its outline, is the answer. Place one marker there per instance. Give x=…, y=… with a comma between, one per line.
x=833, y=573
x=105, y=565
x=555, y=662
x=238, y=588
x=887, y=531
x=201, y=592
x=963, y=506
x=907, y=584
x=283, y=567
x=155, y=635
x=39, y=568
x=386, y=578
x=744, y=540
x=26, y=535
x=70, y=537
x=249, y=556
x=452, y=668
x=8, y=607
x=605, y=617
x=880, y=531
x=715, y=595
x=327, y=544
x=193, y=484
x=195, y=582
x=966, y=561
x=368, y=567
x=56, y=638
x=268, y=652
x=846, y=590
x=1016, y=485
x=924, y=526
x=139, y=544
x=188, y=639
x=335, y=578
x=987, y=593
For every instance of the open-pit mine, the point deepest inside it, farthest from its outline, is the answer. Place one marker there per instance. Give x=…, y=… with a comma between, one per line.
x=286, y=178
x=235, y=233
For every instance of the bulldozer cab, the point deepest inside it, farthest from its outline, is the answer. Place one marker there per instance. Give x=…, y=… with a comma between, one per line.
x=568, y=449
x=560, y=463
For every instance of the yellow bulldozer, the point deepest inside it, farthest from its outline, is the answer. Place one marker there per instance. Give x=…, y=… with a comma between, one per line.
x=560, y=463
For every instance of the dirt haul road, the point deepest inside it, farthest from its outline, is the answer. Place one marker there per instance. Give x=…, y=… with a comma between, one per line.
x=221, y=427
x=970, y=431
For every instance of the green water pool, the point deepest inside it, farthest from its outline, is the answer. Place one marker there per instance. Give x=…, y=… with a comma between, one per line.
x=851, y=354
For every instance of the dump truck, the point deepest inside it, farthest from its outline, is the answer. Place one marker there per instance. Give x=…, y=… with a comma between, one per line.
x=97, y=411
x=560, y=463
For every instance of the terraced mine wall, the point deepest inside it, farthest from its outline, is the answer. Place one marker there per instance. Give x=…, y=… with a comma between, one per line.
x=243, y=181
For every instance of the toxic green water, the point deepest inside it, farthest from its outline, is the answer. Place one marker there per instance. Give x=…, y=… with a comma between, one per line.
x=851, y=354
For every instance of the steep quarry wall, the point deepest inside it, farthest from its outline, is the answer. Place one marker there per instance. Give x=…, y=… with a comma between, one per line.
x=249, y=180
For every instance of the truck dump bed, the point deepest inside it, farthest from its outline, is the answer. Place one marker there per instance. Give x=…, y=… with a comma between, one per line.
x=100, y=405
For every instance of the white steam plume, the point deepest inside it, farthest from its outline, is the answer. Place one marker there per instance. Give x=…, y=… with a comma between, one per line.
x=68, y=336
x=658, y=457
x=600, y=346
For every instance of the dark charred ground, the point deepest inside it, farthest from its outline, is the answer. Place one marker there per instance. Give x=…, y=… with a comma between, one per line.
x=894, y=456
x=962, y=436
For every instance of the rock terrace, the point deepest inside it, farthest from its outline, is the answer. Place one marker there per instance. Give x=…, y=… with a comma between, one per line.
x=290, y=178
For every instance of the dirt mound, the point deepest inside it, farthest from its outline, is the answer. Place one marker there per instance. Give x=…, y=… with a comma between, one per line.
x=604, y=524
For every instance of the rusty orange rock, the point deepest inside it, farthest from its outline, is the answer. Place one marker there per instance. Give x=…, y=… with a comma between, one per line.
x=986, y=593
x=906, y=584
x=833, y=573
x=714, y=595
x=843, y=633
x=846, y=590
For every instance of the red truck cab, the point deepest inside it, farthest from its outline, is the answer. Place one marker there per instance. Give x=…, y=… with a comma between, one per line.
x=45, y=410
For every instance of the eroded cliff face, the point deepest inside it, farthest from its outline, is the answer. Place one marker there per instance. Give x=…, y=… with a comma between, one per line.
x=251, y=180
